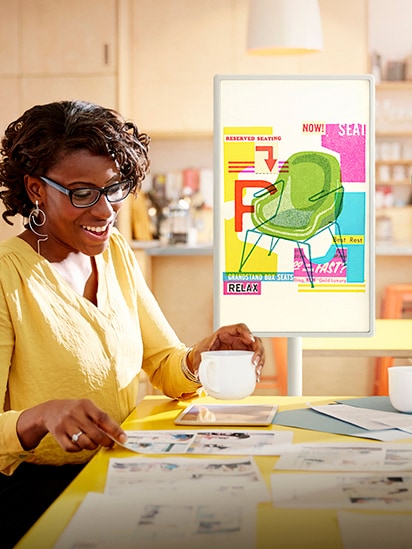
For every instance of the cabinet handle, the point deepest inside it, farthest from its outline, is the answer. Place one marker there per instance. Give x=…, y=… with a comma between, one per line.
x=106, y=54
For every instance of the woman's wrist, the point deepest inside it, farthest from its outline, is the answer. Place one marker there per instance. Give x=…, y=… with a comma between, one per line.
x=187, y=371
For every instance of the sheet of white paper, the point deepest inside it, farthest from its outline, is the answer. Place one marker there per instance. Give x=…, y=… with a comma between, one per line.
x=216, y=441
x=346, y=457
x=105, y=522
x=389, y=435
x=373, y=420
x=377, y=531
x=342, y=491
x=398, y=421
x=228, y=478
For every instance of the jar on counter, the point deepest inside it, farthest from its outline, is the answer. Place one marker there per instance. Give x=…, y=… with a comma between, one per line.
x=179, y=222
x=383, y=228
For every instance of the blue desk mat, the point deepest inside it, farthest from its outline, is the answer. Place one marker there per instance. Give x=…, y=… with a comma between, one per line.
x=305, y=418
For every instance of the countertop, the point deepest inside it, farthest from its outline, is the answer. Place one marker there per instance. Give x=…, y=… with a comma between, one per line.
x=395, y=248
x=156, y=248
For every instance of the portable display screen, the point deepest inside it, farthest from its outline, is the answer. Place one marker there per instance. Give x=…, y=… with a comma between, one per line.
x=227, y=414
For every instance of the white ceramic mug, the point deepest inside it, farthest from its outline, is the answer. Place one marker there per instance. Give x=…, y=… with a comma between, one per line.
x=227, y=374
x=400, y=387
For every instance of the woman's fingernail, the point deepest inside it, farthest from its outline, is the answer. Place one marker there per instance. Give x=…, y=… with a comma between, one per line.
x=123, y=438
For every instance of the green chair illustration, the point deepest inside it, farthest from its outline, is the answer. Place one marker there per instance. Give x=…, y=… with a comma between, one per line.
x=308, y=200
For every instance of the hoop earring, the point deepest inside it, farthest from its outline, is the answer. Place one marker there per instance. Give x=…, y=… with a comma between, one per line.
x=37, y=218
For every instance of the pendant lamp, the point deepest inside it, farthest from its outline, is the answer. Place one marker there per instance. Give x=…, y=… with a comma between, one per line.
x=282, y=27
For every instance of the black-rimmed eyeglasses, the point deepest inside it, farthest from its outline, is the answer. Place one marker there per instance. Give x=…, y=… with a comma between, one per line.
x=84, y=197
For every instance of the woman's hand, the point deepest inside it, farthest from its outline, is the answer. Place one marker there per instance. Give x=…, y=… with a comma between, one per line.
x=235, y=337
x=64, y=418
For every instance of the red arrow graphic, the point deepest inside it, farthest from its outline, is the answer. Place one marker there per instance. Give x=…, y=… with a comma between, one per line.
x=270, y=161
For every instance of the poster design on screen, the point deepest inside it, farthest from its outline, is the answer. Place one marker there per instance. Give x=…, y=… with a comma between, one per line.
x=295, y=218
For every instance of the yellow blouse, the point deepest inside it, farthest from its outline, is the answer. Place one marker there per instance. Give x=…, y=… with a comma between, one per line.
x=55, y=344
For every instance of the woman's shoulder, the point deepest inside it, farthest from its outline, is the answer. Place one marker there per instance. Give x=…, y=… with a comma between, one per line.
x=118, y=242
x=17, y=258
x=119, y=248
x=13, y=245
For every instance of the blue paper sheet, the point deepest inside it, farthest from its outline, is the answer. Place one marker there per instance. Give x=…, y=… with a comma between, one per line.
x=305, y=418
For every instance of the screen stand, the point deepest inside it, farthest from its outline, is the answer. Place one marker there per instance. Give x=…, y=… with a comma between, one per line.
x=295, y=366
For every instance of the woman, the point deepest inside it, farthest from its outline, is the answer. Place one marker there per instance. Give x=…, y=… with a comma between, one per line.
x=77, y=320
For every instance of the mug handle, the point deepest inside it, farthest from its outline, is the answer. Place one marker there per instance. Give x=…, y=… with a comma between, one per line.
x=204, y=371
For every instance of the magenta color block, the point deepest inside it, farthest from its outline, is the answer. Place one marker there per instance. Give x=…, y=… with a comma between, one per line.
x=349, y=140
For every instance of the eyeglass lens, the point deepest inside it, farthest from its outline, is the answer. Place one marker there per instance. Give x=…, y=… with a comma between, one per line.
x=89, y=196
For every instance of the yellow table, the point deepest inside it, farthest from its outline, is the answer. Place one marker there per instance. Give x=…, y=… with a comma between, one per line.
x=391, y=338
x=283, y=528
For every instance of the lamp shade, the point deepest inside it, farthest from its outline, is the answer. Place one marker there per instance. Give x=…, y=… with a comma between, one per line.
x=277, y=27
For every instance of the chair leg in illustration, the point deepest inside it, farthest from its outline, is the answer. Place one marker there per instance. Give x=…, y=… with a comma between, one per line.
x=308, y=268
x=307, y=261
x=245, y=243
x=338, y=242
x=243, y=260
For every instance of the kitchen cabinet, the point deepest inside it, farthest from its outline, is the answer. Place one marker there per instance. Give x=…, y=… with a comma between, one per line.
x=9, y=100
x=9, y=61
x=68, y=51
x=9, y=85
x=54, y=49
x=35, y=90
x=9, y=38
x=68, y=38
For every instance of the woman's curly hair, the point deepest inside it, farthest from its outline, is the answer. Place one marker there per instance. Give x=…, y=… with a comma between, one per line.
x=34, y=143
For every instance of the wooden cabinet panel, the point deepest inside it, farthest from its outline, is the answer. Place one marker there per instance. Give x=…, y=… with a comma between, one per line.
x=9, y=101
x=61, y=37
x=9, y=37
x=43, y=89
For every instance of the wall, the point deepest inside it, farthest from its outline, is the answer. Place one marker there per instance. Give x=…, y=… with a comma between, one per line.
x=173, y=64
x=169, y=51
